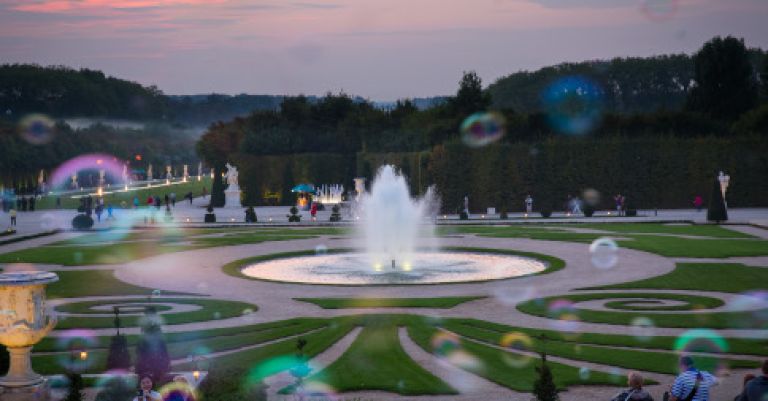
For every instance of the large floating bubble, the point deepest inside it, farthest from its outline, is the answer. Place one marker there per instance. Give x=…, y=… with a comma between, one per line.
x=112, y=166
x=573, y=104
x=74, y=347
x=37, y=129
x=177, y=391
x=444, y=344
x=516, y=341
x=643, y=328
x=604, y=253
x=482, y=129
x=753, y=310
x=705, y=341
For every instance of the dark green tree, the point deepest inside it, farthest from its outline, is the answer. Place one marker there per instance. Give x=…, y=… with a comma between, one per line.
x=716, y=211
x=217, y=190
x=725, y=79
x=544, y=388
x=470, y=98
x=152, y=357
x=76, y=387
x=119, y=358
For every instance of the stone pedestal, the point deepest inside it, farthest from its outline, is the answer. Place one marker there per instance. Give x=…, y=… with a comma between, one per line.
x=37, y=392
x=232, y=198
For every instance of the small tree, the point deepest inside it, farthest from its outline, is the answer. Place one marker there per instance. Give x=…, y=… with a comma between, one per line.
x=75, y=387
x=544, y=387
x=294, y=217
x=717, y=211
x=335, y=215
x=151, y=352
x=119, y=358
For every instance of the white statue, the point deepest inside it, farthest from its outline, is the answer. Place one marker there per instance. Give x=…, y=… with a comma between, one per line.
x=724, y=181
x=231, y=177
x=150, y=176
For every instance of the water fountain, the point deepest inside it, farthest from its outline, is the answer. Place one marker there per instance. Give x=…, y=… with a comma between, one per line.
x=395, y=236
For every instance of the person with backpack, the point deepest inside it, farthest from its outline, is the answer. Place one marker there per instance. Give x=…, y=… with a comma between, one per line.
x=635, y=391
x=692, y=384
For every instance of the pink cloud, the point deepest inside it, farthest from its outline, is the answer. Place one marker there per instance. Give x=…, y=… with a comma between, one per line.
x=58, y=6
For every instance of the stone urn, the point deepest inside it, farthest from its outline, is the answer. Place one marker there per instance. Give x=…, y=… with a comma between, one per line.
x=24, y=321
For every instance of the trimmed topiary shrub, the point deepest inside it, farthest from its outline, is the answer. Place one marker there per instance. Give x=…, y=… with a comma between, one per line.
x=716, y=211
x=588, y=210
x=546, y=213
x=335, y=215
x=294, y=217
x=503, y=215
x=82, y=222
x=210, y=217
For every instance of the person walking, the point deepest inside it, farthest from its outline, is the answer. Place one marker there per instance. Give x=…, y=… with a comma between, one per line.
x=529, y=204
x=110, y=216
x=313, y=211
x=757, y=388
x=173, y=199
x=99, y=211
x=691, y=384
x=13, y=213
x=635, y=391
x=135, y=202
x=698, y=202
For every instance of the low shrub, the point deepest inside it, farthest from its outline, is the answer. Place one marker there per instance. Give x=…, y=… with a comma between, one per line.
x=82, y=222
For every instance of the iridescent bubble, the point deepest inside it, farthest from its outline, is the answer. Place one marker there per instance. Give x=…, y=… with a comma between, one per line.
x=317, y=390
x=573, y=104
x=117, y=382
x=584, y=373
x=216, y=315
x=753, y=310
x=37, y=129
x=481, y=129
x=156, y=293
x=643, y=328
x=444, y=344
x=660, y=10
x=516, y=341
x=512, y=296
x=604, y=253
x=703, y=341
x=591, y=197
x=177, y=391
x=321, y=250
x=75, y=346
x=50, y=222
x=563, y=315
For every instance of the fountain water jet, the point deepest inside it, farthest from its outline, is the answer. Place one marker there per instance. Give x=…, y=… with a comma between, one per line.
x=393, y=224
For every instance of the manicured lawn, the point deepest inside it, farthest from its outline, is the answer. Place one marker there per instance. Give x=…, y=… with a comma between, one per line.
x=180, y=189
x=87, y=283
x=511, y=370
x=720, y=277
x=345, y=303
x=638, y=359
x=377, y=361
x=707, y=230
x=696, y=248
x=210, y=310
x=112, y=247
x=714, y=320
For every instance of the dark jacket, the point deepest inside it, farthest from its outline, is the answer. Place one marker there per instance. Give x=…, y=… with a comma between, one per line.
x=755, y=390
x=633, y=395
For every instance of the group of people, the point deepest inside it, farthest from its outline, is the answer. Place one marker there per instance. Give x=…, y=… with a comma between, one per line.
x=694, y=385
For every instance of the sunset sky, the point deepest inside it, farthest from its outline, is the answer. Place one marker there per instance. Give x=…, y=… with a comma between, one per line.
x=379, y=49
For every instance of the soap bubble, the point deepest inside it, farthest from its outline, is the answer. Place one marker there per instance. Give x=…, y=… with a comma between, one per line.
x=604, y=252
x=643, y=328
x=156, y=293
x=49, y=222
x=444, y=344
x=573, y=104
x=591, y=197
x=37, y=129
x=177, y=391
x=753, y=310
x=516, y=341
x=481, y=129
x=74, y=347
x=512, y=296
x=703, y=341
x=321, y=250
x=584, y=373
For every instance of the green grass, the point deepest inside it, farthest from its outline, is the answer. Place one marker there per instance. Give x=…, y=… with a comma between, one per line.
x=637, y=359
x=210, y=310
x=377, y=361
x=714, y=320
x=718, y=277
x=511, y=370
x=114, y=247
x=346, y=303
x=707, y=230
x=696, y=248
x=181, y=189
x=88, y=283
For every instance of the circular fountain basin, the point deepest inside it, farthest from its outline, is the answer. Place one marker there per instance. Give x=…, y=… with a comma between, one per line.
x=425, y=268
